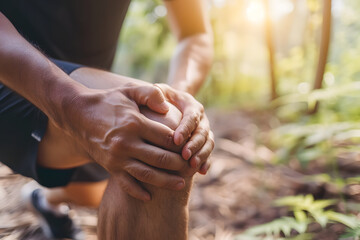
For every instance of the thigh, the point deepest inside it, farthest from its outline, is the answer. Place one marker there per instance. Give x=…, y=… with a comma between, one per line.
x=60, y=151
x=32, y=146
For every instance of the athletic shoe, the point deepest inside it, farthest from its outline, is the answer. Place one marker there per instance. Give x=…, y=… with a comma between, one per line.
x=56, y=224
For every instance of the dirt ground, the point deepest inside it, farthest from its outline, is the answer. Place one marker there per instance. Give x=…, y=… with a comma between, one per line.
x=235, y=194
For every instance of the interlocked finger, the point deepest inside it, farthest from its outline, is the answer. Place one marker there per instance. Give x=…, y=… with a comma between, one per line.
x=129, y=185
x=158, y=157
x=200, y=158
x=197, y=140
x=155, y=177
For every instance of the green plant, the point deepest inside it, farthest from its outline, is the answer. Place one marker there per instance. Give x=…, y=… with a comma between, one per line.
x=306, y=210
x=272, y=229
x=352, y=233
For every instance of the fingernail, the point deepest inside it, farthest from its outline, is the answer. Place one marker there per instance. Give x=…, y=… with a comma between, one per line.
x=187, y=154
x=180, y=185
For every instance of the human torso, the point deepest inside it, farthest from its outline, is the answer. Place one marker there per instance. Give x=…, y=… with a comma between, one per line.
x=80, y=31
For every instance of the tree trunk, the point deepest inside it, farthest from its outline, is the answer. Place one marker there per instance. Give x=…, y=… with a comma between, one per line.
x=324, y=49
x=270, y=45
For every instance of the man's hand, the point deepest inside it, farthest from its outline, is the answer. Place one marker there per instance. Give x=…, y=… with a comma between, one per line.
x=194, y=128
x=109, y=125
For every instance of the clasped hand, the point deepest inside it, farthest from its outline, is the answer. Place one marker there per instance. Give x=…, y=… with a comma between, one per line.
x=109, y=125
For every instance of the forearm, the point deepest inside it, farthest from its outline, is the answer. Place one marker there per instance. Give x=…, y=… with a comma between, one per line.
x=29, y=73
x=191, y=63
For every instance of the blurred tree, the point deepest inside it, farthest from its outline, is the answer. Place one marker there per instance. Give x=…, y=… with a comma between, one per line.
x=270, y=45
x=324, y=48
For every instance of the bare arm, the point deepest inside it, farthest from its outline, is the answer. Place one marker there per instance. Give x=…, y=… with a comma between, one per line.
x=194, y=53
x=189, y=67
x=106, y=122
x=28, y=72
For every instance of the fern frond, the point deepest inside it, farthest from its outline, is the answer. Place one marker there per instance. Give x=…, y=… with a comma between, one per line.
x=274, y=228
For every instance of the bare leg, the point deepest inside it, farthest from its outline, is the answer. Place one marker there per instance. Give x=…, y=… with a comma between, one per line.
x=120, y=216
x=81, y=194
x=164, y=217
x=123, y=217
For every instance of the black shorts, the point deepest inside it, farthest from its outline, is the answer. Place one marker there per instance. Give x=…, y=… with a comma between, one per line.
x=22, y=127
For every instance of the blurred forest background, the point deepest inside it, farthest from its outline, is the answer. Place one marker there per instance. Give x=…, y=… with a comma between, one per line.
x=285, y=110
x=272, y=66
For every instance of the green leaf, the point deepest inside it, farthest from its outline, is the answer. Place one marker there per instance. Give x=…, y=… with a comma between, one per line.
x=321, y=204
x=320, y=217
x=303, y=236
x=300, y=216
x=351, y=233
x=306, y=203
x=322, y=178
x=349, y=220
x=273, y=228
x=301, y=227
x=307, y=155
x=290, y=201
x=353, y=180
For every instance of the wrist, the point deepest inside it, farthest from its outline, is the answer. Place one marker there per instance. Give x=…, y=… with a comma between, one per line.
x=52, y=88
x=64, y=94
x=181, y=86
x=75, y=105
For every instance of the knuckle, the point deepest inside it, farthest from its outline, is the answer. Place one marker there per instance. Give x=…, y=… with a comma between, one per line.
x=193, y=147
x=187, y=128
x=156, y=92
x=117, y=144
x=130, y=169
x=118, y=141
x=160, y=86
x=197, y=118
x=132, y=121
x=201, y=108
x=130, y=85
x=146, y=175
x=189, y=97
x=163, y=161
x=203, y=132
x=196, y=115
x=169, y=140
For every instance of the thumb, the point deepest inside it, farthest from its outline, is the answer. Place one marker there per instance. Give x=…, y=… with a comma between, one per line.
x=150, y=96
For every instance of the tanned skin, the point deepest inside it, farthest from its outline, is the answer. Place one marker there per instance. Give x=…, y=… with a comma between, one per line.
x=166, y=215
x=95, y=116
x=87, y=115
